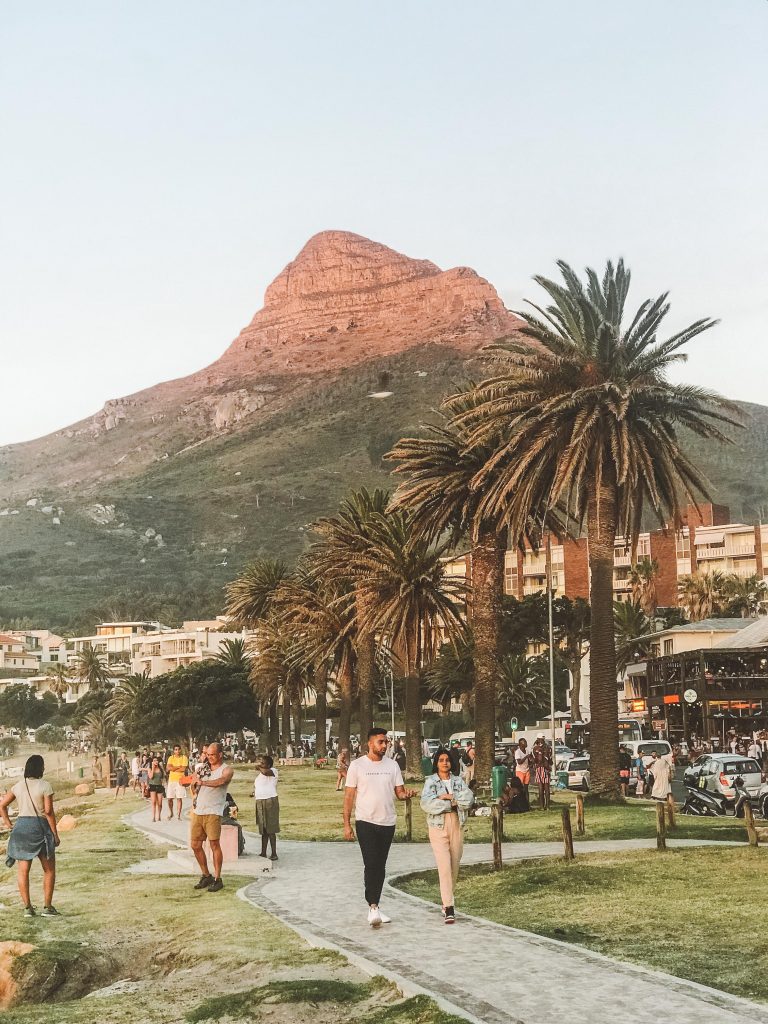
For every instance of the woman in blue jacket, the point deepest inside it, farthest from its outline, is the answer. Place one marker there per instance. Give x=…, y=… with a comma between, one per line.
x=445, y=800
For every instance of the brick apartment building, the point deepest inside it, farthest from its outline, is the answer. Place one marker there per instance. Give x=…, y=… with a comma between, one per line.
x=708, y=541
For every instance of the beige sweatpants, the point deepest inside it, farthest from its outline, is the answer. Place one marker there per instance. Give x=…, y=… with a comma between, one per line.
x=447, y=846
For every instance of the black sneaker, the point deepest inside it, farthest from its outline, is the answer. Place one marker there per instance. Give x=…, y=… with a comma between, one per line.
x=204, y=882
x=216, y=886
x=449, y=915
x=50, y=912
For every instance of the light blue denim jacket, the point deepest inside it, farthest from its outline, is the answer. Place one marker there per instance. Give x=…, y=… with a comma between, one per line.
x=436, y=809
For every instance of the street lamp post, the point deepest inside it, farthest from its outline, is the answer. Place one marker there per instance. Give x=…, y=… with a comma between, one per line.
x=548, y=564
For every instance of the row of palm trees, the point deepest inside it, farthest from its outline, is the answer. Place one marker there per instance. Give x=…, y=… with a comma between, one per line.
x=577, y=431
x=705, y=594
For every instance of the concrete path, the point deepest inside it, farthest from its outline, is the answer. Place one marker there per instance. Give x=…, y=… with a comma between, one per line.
x=486, y=972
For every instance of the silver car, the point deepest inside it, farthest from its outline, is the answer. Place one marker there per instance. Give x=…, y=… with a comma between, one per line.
x=716, y=772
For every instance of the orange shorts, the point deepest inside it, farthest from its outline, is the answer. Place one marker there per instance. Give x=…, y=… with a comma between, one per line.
x=524, y=776
x=204, y=826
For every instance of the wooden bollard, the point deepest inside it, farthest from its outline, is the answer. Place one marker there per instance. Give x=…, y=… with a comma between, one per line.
x=497, y=830
x=567, y=834
x=408, y=820
x=749, y=821
x=671, y=811
x=579, y=814
x=661, y=826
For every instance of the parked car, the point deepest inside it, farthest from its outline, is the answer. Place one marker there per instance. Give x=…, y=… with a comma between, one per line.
x=434, y=746
x=716, y=772
x=578, y=771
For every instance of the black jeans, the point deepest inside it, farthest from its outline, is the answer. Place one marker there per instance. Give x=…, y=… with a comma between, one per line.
x=375, y=841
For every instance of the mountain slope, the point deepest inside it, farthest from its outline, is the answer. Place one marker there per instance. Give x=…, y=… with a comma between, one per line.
x=152, y=505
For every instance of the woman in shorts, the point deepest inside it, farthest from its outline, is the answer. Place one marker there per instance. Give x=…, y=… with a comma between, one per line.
x=156, y=781
x=267, y=804
x=342, y=766
x=34, y=833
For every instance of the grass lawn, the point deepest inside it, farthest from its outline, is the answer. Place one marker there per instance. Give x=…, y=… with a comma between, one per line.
x=195, y=956
x=310, y=809
x=697, y=913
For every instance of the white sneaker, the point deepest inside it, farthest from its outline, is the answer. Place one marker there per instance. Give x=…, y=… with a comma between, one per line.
x=384, y=918
x=374, y=917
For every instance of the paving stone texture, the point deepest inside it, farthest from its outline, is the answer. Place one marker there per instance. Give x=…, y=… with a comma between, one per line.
x=484, y=971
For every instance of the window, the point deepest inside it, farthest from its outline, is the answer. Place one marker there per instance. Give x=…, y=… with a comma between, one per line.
x=668, y=644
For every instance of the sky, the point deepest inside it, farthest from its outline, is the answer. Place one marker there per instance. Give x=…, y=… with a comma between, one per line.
x=161, y=163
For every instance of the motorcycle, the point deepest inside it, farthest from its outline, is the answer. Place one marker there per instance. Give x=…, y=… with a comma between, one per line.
x=703, y=804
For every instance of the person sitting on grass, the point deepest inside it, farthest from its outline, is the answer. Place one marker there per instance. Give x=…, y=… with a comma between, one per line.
x=267, y=804
x=514, y=797
x=34, y=834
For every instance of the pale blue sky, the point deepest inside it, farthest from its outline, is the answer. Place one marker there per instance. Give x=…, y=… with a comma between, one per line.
x=161, y=162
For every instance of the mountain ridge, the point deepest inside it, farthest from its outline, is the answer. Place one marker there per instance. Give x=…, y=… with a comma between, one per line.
x=163, y=495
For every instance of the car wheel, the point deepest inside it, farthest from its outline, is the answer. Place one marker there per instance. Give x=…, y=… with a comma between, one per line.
x=585, y=785
x=764, y=807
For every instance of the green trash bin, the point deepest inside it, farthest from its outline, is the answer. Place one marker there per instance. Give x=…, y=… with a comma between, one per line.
x=562, y=780
x=426, y=766
x=80, y=772
x=499, y=779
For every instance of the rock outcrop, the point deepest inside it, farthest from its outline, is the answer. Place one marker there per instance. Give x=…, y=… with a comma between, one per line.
x=345, y=299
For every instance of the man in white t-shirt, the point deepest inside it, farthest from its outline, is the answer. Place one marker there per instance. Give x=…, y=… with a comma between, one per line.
x=373, y=782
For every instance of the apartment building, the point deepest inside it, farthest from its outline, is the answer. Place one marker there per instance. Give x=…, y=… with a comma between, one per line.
x=112, y=641
x=707, y=541
x=169, y=649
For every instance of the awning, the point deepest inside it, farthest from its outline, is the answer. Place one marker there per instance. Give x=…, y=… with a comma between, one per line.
x=638, y=669
x=718, y=537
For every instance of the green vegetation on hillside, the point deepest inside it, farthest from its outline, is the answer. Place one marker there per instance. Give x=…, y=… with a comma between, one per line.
x=253, y=492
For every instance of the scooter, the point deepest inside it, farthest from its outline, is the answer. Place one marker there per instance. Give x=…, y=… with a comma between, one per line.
x=704, y=804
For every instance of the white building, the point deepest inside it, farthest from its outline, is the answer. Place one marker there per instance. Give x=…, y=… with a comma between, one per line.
x=165, y=650
x=112, y=642
x=13, y=654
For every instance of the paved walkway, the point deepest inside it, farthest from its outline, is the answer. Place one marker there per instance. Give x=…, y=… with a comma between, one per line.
x=486, y=972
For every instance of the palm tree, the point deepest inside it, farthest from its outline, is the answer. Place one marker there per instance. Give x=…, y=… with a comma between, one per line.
x=439, y=470
x=409, y=599
x=248, y=601
x=100, y=730
x=642, y=577
x=589, y=419
x=248, y=597
x=60, y=680
x=703, y=594
x=746, y=595
x=275, y=674
x=523, y=684
x=234, y=654
x=629, y=624
x=126, y=697
x=320, y=619
x=342, y=536
x=88, y=668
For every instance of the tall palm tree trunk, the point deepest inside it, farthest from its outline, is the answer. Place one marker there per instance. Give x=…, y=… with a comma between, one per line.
x=274, y=725
x=345, y=712
x=603, y=700
x=321, y=709
x=412, y=700
x=575, y=667
x=365, y=649
x=485, y=615
x=285, y=723
x=298, y=718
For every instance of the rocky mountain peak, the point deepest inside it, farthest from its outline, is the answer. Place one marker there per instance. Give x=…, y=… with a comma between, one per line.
x=345, y=299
